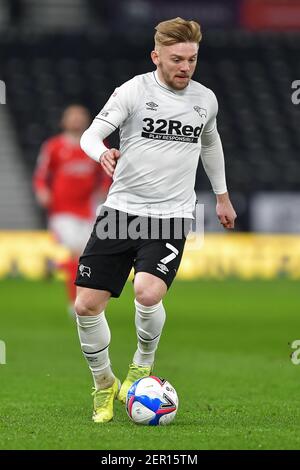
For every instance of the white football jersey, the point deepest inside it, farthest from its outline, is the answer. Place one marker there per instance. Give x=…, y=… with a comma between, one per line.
x=160, y=144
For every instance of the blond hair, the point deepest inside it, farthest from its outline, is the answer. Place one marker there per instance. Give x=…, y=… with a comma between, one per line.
x=177, y=30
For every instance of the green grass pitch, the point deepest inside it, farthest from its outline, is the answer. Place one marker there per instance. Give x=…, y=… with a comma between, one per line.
x=225, y=348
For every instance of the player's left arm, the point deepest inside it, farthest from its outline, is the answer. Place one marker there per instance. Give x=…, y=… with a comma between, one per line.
x=212, y=157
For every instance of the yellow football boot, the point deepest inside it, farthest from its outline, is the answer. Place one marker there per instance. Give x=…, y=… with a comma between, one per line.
x=104, y=402
x=135, y=373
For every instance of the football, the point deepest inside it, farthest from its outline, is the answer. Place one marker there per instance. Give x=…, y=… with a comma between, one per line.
x=152, y=401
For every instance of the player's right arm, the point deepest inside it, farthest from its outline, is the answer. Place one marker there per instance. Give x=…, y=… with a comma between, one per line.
x=42, y=175
x=117, y=109
x=92, y=144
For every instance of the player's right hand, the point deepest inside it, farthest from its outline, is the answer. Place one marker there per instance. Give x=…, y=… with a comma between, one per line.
x=44, y=197
x=109, y=160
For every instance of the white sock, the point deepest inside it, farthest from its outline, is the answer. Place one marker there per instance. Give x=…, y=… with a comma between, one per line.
x=94, y=335
x=149, y=322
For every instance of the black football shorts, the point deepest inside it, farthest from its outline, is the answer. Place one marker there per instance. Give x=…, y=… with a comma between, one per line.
x=120, y=241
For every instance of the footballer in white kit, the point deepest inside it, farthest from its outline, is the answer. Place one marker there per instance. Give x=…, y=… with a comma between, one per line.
x=166, y=121
x=161, y=131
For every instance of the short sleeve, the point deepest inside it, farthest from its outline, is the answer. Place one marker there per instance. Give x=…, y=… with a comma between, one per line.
x=120, y=105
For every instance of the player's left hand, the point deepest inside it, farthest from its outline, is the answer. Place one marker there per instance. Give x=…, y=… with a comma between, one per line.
x=225, y=211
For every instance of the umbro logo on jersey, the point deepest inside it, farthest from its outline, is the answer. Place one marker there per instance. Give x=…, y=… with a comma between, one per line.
x=162, y=268
x=85, y=270
x=201, y=111
x=152, y=106
x=104, y=113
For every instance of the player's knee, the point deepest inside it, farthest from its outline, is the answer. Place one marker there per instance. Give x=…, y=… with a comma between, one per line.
x=84, y=308
x=147, y=297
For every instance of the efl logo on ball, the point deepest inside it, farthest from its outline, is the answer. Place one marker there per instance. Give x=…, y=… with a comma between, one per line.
x=152, y=401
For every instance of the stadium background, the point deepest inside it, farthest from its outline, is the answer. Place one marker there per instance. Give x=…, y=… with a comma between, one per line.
x=239, y=288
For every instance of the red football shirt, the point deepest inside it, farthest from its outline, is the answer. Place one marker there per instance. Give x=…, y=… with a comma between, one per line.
x=72, y=177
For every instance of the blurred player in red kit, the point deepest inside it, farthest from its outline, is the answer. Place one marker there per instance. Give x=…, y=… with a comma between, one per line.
x=68, y=185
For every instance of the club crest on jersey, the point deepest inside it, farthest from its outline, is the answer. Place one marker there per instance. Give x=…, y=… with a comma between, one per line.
x=84, y=270
x=152, y=106
x=201, y=111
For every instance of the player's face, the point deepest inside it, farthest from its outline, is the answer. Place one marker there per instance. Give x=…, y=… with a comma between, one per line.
x=75, y=119
x=176, y=64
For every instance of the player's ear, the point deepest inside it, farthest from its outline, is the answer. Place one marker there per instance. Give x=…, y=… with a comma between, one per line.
x=155, y=57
